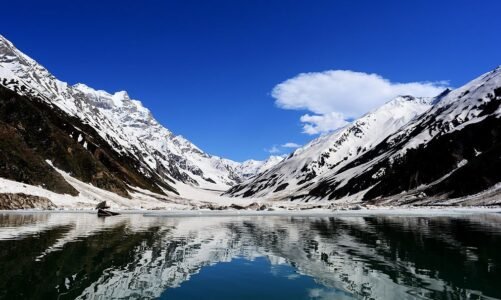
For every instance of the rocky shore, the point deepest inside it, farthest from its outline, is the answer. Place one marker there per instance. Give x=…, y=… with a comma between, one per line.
x=23, y=201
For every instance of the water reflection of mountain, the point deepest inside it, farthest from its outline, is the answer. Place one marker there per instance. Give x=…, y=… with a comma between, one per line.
x=131, y=256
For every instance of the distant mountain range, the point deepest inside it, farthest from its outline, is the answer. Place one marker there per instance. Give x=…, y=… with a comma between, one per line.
x=419, y=151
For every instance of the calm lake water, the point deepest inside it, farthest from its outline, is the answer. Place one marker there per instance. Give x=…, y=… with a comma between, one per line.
x=135, y=256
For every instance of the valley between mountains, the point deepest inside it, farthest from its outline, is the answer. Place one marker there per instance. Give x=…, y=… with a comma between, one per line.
x=68, y=146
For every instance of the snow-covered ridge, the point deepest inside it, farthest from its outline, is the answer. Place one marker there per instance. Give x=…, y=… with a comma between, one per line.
x=329, y=153
x=455, y=110
x=124, y=123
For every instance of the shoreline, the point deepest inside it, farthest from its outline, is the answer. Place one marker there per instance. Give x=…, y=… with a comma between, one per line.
x=391, y=211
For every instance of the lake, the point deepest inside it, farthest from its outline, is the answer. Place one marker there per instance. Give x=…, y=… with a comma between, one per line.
x=143, y=256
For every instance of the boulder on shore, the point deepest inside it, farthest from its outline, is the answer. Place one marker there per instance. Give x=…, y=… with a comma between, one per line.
x=22, y=201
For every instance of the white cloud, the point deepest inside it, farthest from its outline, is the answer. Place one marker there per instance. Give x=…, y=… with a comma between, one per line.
x=290, y=145
x=323, y=123
x=336, y=95
x=273, y=150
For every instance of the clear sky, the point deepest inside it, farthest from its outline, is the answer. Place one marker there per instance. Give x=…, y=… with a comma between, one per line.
x=207, y=69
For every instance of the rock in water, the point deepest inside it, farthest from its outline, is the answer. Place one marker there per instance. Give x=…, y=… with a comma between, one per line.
x=102, y=205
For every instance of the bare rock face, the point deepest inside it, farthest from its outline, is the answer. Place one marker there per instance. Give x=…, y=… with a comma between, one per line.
x=23, y=201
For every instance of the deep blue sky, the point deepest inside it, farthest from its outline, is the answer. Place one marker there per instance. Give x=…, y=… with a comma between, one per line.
x=206, y=68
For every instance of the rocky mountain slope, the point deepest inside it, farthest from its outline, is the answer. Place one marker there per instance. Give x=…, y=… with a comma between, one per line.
x=109, y=140
x=439, y=149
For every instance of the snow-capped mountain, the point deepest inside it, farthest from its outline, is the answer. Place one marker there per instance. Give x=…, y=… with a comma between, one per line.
x=441, y=150
x=133, y=136
x=327, y=154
